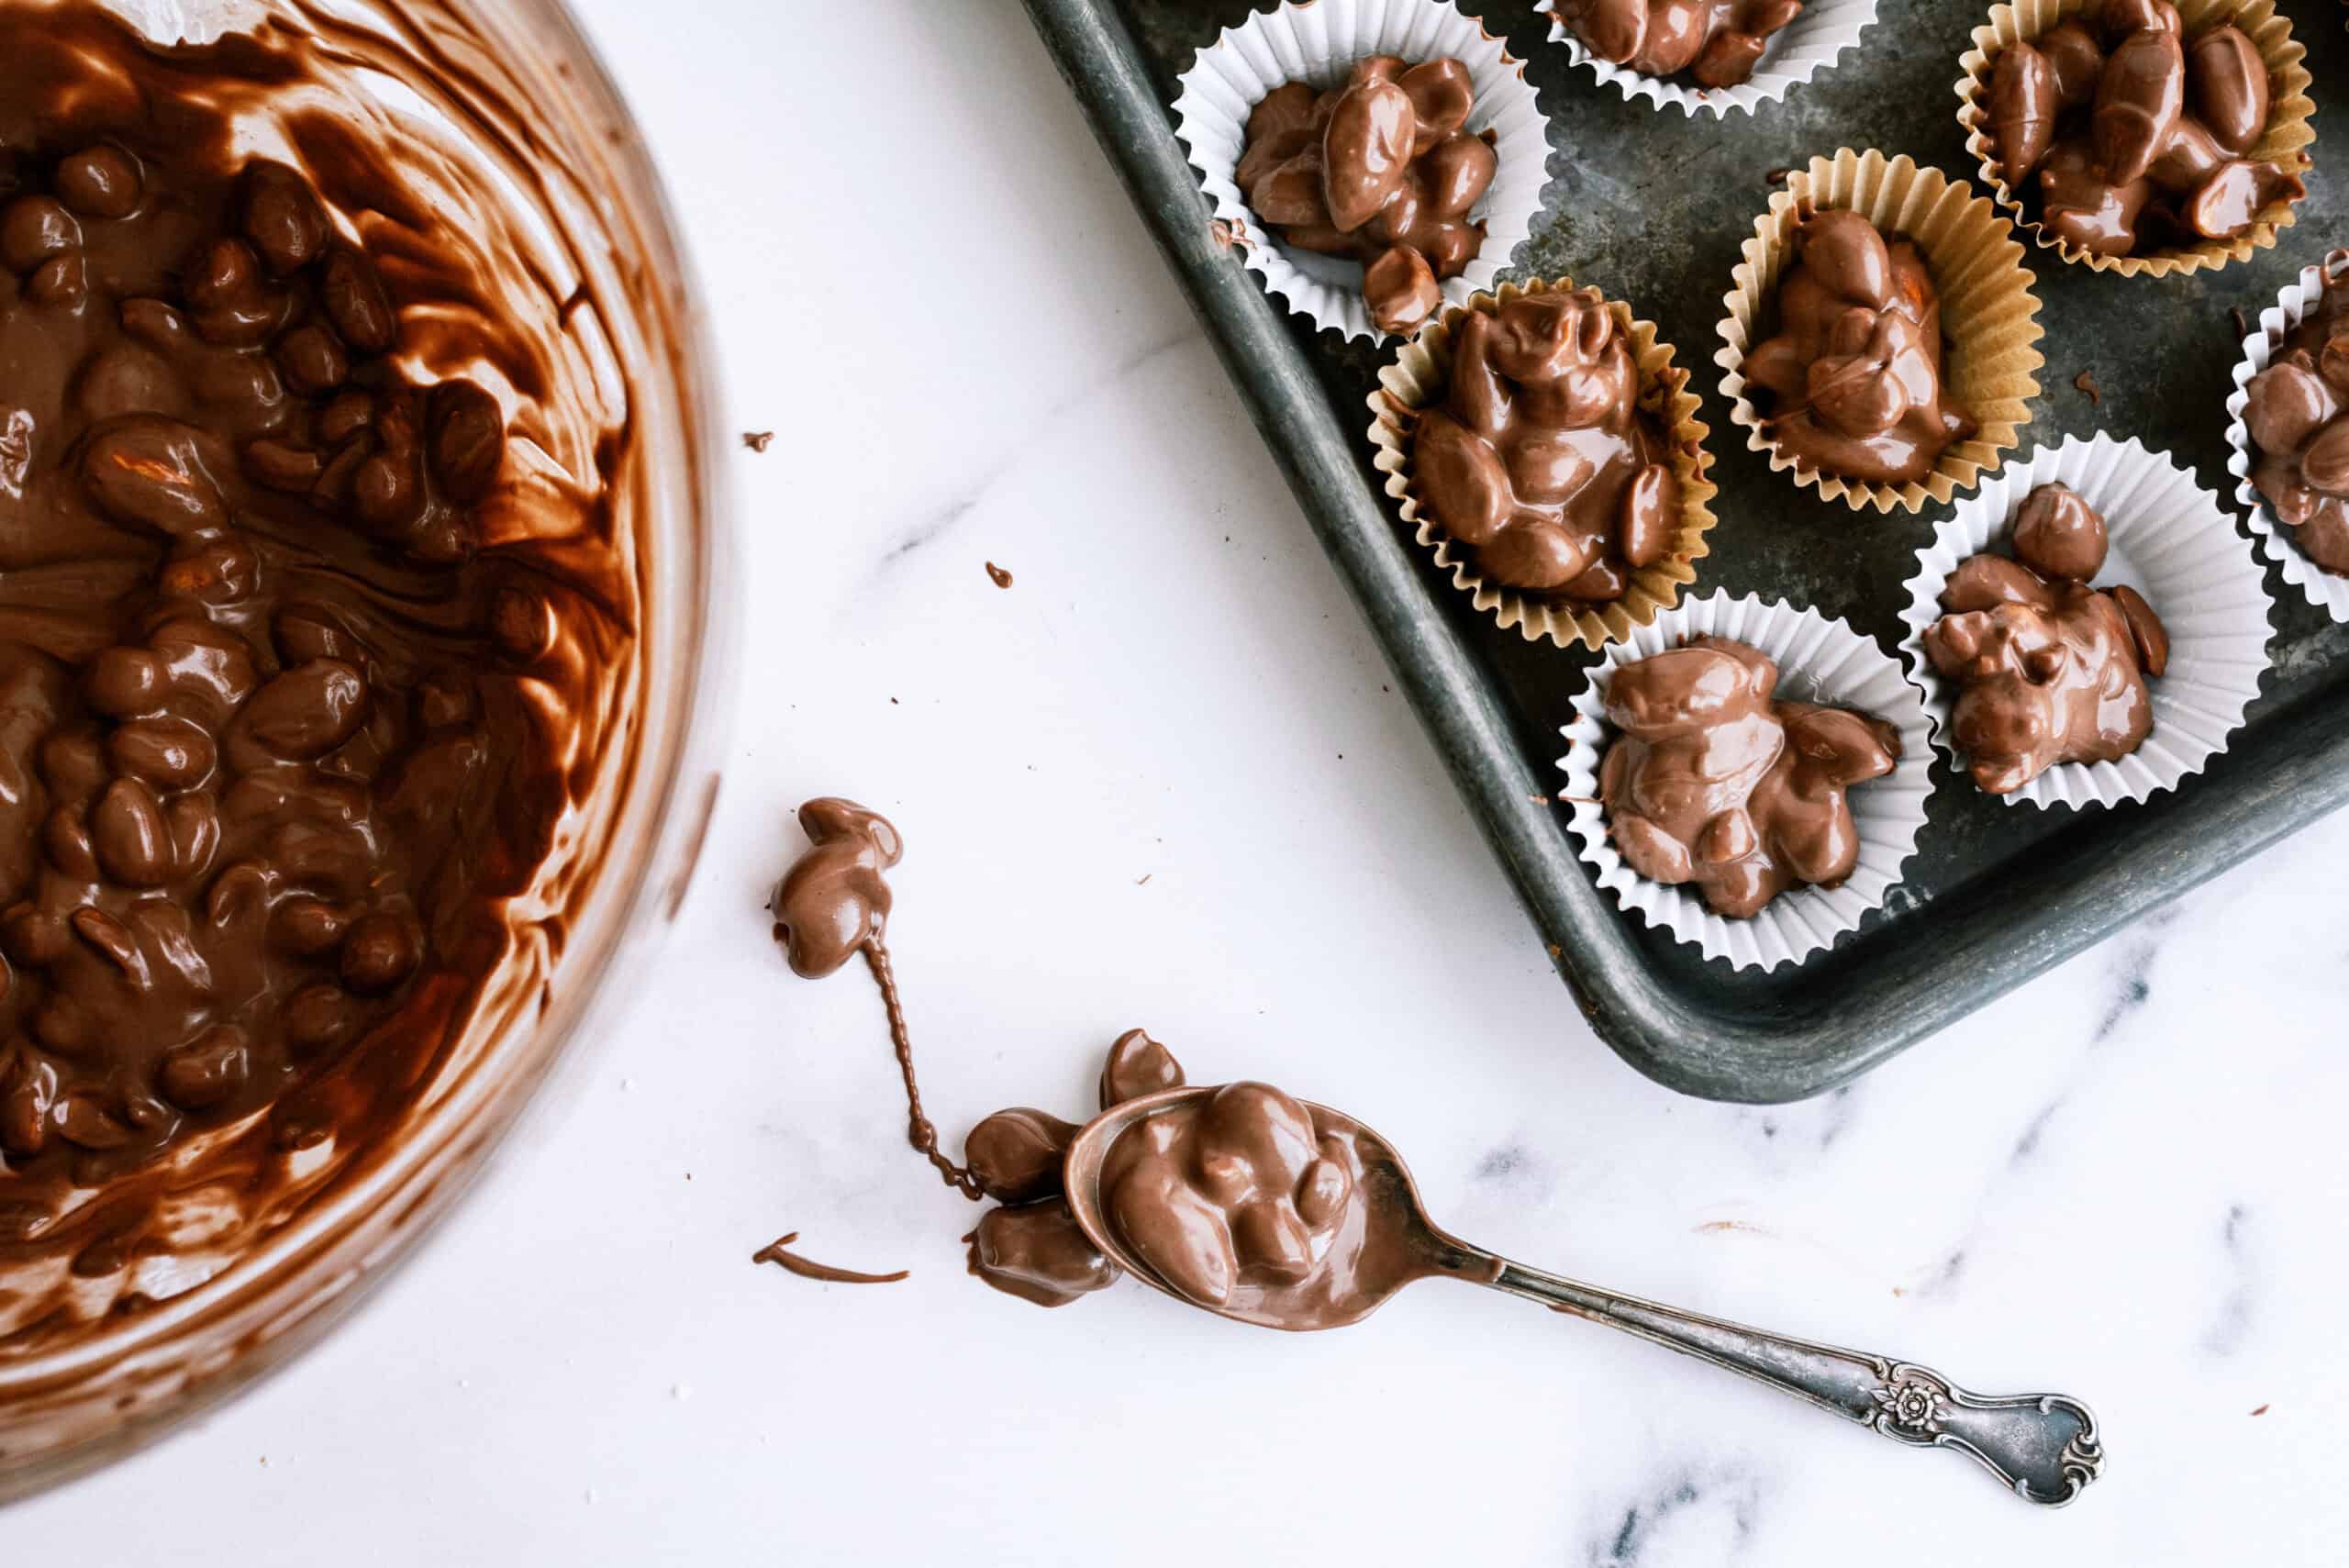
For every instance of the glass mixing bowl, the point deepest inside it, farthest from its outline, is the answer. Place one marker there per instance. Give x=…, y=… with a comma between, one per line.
x=514, y=92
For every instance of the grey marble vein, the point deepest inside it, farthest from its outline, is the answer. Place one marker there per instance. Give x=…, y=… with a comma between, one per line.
x=1632, y=1534
x=2131, y=968
x=2226, y=1334
x=939, y=521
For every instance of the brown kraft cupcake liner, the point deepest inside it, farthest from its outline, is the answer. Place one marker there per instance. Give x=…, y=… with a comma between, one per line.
x=1989, y=317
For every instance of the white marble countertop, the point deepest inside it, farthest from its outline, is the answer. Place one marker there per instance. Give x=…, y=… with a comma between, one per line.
x=1162, y=781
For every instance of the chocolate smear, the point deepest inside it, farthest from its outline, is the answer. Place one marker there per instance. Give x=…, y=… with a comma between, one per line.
x=805, y=1268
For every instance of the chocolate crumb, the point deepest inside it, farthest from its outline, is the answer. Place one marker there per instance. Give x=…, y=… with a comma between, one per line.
x=2242, y=322
x=1001, y=578
x=2261, y=1411
x=1777, y=176
x=758, y=440
x=2086, y=381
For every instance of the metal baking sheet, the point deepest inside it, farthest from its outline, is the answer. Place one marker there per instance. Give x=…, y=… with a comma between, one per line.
x=1652, y=206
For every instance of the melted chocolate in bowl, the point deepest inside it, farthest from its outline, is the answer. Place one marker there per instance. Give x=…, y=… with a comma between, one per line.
x=348, y=400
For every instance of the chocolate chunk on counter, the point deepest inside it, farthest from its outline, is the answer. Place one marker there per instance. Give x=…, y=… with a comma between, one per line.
x=2049, y=670
x=1378, y=171
x=1715, y=782
x=1033, y=1247
x=1540, y=460
x=1038, y=1252
x=2298, y=418
x=1016, y=1155
x=1851, y=382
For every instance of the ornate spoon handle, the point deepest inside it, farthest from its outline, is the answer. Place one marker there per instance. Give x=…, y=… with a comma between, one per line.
x=2045, y=1446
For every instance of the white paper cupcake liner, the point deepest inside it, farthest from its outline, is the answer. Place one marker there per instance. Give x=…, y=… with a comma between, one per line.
x=2174, y=542
x=2322, y=588
x=1796, y=53
x=1819, y=661
x=1319, y=41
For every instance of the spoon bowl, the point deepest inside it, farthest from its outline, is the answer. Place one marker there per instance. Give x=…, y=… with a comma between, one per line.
x=2044, y=1447
x=1384, y=1243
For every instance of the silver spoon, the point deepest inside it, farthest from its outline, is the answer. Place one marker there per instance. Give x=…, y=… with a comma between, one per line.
x=2045, y=1446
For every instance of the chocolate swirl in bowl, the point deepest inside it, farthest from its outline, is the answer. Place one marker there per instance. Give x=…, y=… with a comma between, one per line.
x=323, y=613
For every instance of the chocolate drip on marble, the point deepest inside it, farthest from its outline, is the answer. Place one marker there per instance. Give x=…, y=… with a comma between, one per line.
x=832, y=905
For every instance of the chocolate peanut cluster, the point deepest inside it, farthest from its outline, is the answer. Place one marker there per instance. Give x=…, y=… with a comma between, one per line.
x=2298, y=417
x=2140, y=136
x=1712, y=782
x=263, y=758
x=1852, y=381
x=1542, y=459
x=2049, y=669
x=1237, y=1191
x=1032, y=1247
x=1716, y=42
x=1378, y=171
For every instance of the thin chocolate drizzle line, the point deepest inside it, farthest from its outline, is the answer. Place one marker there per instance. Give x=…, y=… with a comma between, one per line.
x=920, y=1131
x=808, y=1268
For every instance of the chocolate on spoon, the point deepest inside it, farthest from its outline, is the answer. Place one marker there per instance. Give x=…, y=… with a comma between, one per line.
x=1289, y=1215
x=1277, y=1212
